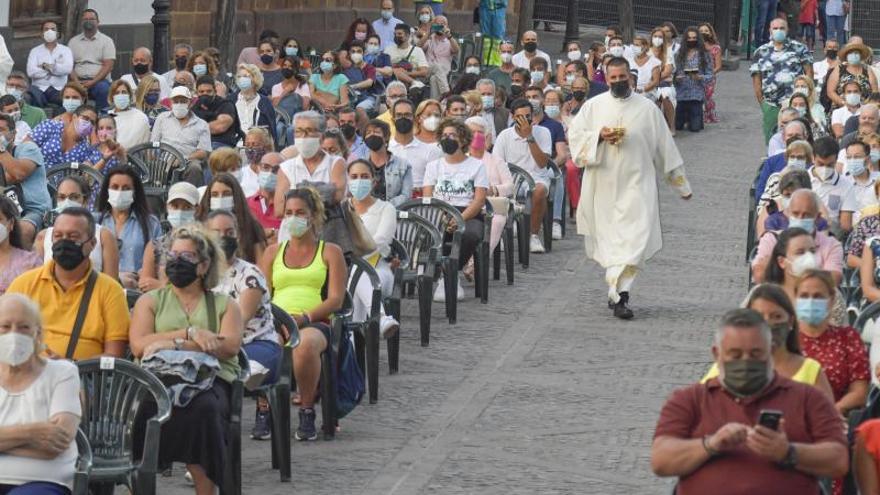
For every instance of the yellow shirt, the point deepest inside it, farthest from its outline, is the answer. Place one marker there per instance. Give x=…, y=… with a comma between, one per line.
x=107, y=319
x=386, y=117
x=807, y=374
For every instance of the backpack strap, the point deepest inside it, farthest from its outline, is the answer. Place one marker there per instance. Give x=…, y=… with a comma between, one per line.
x=81, y=314
x=212, y=311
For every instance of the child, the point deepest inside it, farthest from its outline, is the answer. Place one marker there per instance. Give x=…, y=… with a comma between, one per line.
x=807, y=20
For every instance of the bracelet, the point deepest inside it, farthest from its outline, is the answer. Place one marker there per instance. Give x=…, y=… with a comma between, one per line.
x=306, y=319
x=709, y=450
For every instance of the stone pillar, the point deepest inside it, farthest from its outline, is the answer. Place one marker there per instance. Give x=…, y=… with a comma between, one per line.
x=161, y=35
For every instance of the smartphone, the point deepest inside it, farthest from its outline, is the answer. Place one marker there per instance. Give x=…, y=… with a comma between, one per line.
x=436, y=28
x=769, y=418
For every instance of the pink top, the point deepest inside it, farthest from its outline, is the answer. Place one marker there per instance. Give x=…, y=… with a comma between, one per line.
x=829, y=251
x=302, y=90
x=20, y=261
x=499, y=175
x=264, y=211
x=439, y=52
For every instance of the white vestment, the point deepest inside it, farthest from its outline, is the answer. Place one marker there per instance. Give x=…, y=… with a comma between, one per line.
x=619, y=212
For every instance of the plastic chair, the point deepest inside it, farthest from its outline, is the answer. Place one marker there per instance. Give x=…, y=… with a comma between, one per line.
x=507, y=242
x=113, y=391
x=57, y=174
x=556, y=181
x=367, y=332
x=751, y=233
x=523, y=188
x=392, y=303
x=83, y=464
x=232, y=476
x=328, y=374
x=131, y=297
x=278, y=395
x=441, y=215
x=162, y=165
x=481, y=256
x=422, y=242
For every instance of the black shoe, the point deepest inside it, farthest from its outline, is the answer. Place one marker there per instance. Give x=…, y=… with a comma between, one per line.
x=262, y=429
x=306, y=430
x=621, y=309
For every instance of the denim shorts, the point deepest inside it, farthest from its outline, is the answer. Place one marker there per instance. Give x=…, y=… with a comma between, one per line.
x=268, y=354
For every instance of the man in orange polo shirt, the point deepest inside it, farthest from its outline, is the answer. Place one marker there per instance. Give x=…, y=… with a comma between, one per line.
x=58, y=288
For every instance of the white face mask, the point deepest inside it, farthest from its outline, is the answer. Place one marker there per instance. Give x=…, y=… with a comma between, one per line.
x=506, y=57
x=853, y=99
x=804, y=262
x=357, y=57
x=49, y=36
x=179, y=110
x=237, y=174
x=616, y=51
x=308, y=147
x=120, y=200
x=225, y=203
x=431, y=123
x=4, y=233
x=657, y=41
x=797, y=163
x=637, y=50
x=574, y=55
x=824, y=173
x=472, y=69
x=15, y=348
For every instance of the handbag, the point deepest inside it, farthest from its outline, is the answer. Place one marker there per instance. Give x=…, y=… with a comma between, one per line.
x=361, y=240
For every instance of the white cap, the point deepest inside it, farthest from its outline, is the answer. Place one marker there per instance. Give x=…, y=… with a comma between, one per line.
x=185, y=191
x=181, y=91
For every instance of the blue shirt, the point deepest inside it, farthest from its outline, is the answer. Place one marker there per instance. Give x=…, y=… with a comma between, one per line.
x=131, y=254
x=385, y=30
x=359, y=150
x=557, y=133
x=33, y=187
x=770, y=166
x=48, y=134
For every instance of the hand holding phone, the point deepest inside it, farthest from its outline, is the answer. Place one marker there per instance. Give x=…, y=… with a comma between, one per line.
x=769, y=418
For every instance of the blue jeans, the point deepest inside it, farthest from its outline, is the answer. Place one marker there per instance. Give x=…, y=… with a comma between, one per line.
x=492, y=23
x=766, y=13
x=43, y=98
x=34, y=488
x=835, y=28
x=99, y=92
x=823, y=21
x=689, y=112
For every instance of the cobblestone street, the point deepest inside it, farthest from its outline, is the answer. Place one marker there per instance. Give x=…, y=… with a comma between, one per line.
x=542, y=390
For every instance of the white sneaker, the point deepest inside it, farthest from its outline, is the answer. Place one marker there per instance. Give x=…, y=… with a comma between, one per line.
x=535, y=244
x=460, y=295
x=557, y=230
x=388, y=326
x=440, y=291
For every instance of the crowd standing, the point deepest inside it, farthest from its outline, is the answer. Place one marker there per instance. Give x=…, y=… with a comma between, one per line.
x=279, y=148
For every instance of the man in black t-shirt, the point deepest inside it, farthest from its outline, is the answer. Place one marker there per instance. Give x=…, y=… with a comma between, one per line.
x=218, y=112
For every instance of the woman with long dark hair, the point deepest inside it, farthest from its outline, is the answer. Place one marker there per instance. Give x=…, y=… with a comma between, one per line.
x=224, y=193
x=122, y=207
x=15, y=258
x=694, y=70
x=360, y=29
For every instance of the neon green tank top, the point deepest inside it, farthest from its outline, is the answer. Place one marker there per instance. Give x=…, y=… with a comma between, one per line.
x=298, y=290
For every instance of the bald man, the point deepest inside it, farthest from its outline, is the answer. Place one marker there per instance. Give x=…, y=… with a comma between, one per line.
x=261, y=202
x=141, y=66
x=530, y=51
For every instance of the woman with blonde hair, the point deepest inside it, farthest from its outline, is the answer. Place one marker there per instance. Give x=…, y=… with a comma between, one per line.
x=147, y=98
x=254, y=109
x=666, y=92
x=427, y=120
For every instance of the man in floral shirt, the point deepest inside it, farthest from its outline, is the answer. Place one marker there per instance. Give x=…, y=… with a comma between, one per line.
x=777, y=65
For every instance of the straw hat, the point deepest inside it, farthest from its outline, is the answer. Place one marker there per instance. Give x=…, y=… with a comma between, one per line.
x=862, y=49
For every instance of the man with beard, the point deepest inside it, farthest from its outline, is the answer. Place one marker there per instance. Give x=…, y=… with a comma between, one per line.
x=218, y=112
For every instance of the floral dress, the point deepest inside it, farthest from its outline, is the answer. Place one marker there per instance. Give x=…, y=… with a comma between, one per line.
x=710, y=115
x=842, y=355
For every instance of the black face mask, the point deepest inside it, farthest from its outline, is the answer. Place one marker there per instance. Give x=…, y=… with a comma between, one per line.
x=707, y=36
x=515, y=90
x=831, y=54
x=579, y=95
x=67, y=254
x=266, y=59
x=180, y=63
x=530, y=46
x=620, y=89
x=181, y=272
x=287, y=73
x=691, y=43
x=229, y=245
x=403, y=126
x=348, y=131
x=207, y=101
x=449, y=146
x=399, y=41
x=141, y=69
x=375, y=142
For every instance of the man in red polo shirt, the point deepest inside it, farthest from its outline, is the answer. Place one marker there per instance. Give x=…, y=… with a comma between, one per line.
x=708, y=435
x=261, y=202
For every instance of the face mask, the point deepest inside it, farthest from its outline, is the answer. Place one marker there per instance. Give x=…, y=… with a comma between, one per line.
x=207, y=101
x=348, y=131
x=121, y=101
x=853, y=99
x=607, y=40
x=4, y=233
x=657, y=41
x=808, y=224
x=797, y=163
x=66, y=203
x=536, y=105
x=229, y=245
x=200, y=69
x=16, y=116
x=449, y=145
x=855, y=166
x=357, y=57
x=823, y=173
x=372, y=49
x=120, y=200
x=802, y=263
x=569, y=79
x=386, y=14
x=779, y=333
x=15, y=348
x=294, y=226
x=800, y=90
x=779, y=35
x=478, y=142
x=141, y=69
x=243, y=82
x=326, y=66
x=620, y=89
x=616, y=51
x=105, y=134
x=579, y=95
x=180, y=63
x=506, y=57
x=853, y=58
x=14, y=92
x=875, y=155
x=801, y=110
x=151, y=98
x=403, y=126
x=267, y=180
x=530, y=46
x=360, y=188
x=637, y=50
x=83, y=127
x=552, y=111
x=179, y=110
x=488, y=102
x=181, y=273
x=424, y=18
x=224, y=203
x=50, y=35
x=472, y=69
x=89, y=25
x=67, y=254
x=287, y=73
x=785, y=202
x=745, y=377
x=254, y=155
x=71, y=104
x=691, y=43
x=811, y=311
x=375, y=143
x=537, y=77
x=180, y=217
x=831, y=54
x=431, y=123
x=308, y=147
x=515, y=90
x=575, y=55
x=291, y=51
x=266, y=59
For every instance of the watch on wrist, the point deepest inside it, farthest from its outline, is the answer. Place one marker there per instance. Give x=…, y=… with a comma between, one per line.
x=190, y=333
x=530, y=139
x=790, y=460
x=178, y=343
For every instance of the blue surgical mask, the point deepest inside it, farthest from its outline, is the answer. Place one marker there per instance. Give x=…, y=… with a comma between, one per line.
x=326, y=66
x=537, y=76
x=66, y=203
x=853, y=58
x=121, y=101
x=71, y=104
x=855, y=166
x=14, y=92
x=808, y=224
x=291, y=51
x=267, y=180
x=200, y=69
x=360, y=188
x=488, y=102
x=811, y=311
x=797, y=163
x=181, y=217
x=243, y=82
x=294, y=226
x=875, y=156
x=779, y=35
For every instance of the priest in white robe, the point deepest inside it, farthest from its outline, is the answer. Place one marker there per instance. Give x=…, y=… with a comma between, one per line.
x=619, y=211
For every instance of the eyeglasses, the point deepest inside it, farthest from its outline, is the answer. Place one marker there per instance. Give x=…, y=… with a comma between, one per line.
x=184, y=255
x=72, y=196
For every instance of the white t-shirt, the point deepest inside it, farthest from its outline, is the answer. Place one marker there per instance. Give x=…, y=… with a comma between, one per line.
x=380, y=220
x=646, y=70
x=416, y=58
x=511, y=148
x=55, y=391
x=456, y=183
x=250, y=180
x=418, y=153
x=521, y=60
x=860, y=196
x=842, y=114
x=296, y=171
x=832, y=192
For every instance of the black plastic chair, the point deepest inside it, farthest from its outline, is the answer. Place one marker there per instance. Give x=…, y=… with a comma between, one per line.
x=232, y=476
x=160, y=166
x=131, y=297
x=481, y=257
x=442, y=215
x=751, y=233
x=555, y=181
x=523, y=189
x=92, y=176
x=367, y=332
x=392, y=303
x=422, y=242
x=278, y=394
x=508, y=242
x=112, y=393
x=83, y=466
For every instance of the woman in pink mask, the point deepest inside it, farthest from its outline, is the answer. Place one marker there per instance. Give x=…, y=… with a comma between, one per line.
x=500, y=179
x=112, y=152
